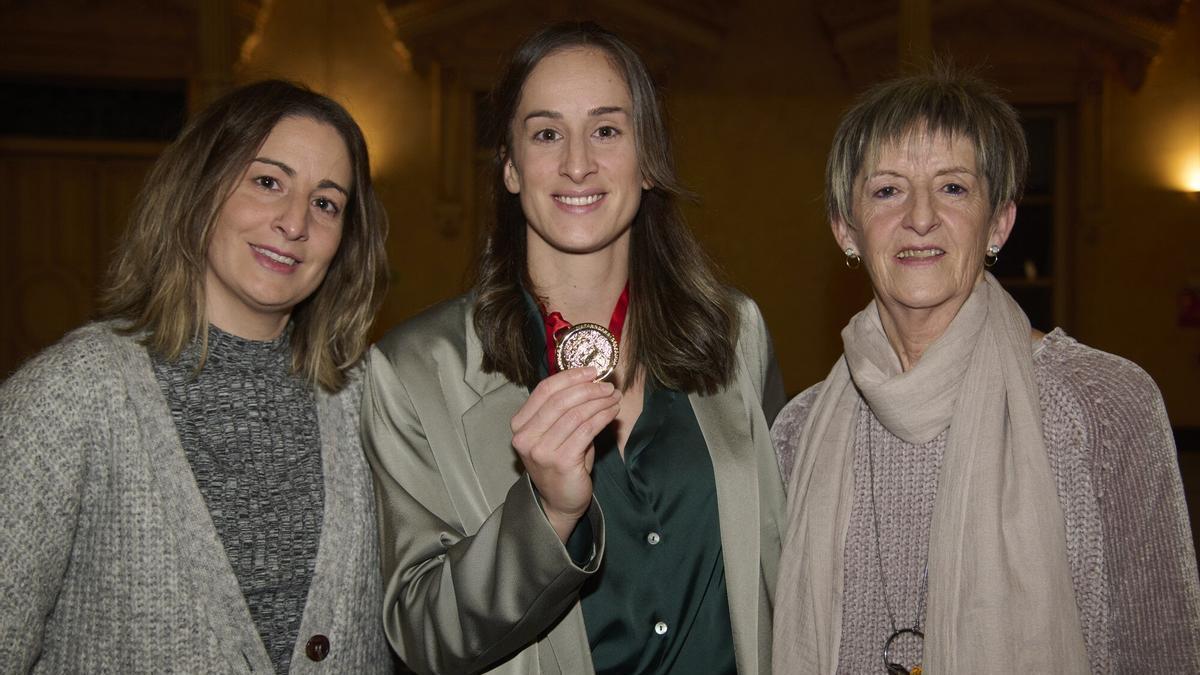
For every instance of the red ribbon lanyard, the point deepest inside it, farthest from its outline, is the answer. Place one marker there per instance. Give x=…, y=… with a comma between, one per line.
x=555, y=322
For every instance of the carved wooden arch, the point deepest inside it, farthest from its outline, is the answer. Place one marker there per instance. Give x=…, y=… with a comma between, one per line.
x=1086, y=37
x=471, y=37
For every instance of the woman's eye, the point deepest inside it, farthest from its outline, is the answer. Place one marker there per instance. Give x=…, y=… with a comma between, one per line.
x=608, y=132
x=266, y=182
x=546, y=135
x=886, y=191
x=955, y=189
x=327, y=205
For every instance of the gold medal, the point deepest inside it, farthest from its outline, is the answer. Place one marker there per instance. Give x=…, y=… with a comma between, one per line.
x=587, y=344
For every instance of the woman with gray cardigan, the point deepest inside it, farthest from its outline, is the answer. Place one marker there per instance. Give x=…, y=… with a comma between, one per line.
x=182, y=487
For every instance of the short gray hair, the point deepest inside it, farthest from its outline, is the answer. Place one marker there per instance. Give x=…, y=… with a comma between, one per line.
x=940, y=101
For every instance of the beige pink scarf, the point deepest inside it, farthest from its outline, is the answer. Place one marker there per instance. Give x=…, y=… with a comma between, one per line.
x=1000, y=597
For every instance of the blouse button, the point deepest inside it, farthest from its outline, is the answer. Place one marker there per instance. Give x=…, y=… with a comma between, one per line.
x=317, y=647
x=653, y=538
x=660, y=628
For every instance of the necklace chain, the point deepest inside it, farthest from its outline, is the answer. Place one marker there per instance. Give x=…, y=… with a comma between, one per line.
x=916, y=624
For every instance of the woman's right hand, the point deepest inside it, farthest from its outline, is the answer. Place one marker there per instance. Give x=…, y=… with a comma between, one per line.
x=553, y=432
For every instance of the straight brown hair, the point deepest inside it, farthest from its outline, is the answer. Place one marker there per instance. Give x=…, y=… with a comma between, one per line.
x=155, y=282
x=683, y=323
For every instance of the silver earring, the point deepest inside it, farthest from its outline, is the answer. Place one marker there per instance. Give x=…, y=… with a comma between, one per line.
x=853, y=260
x=992, y=255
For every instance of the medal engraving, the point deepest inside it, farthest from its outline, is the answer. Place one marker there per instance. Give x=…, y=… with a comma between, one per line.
x=588, y=344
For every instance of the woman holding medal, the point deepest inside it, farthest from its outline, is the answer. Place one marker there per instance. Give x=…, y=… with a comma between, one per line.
x=967, y=494
x=597, y=363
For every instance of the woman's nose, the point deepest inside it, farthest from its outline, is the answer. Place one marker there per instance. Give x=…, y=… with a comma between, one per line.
x=292, y=219
x=922, y=216
x=578, y=162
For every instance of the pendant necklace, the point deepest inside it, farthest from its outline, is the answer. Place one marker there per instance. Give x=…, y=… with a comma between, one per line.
x=891, y=667
x=585, y=344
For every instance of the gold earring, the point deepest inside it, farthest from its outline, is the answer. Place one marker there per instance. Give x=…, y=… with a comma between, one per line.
x=853, y=260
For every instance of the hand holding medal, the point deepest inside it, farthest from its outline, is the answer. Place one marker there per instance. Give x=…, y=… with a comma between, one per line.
x=552, y=434
x=554, y=429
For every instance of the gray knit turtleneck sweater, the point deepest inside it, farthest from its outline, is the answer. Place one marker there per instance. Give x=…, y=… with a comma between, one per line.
x=249, y=428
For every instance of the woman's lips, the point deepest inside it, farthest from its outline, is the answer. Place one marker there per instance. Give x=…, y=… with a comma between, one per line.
x=274, y=260
x=920, y=256
x=580, y=203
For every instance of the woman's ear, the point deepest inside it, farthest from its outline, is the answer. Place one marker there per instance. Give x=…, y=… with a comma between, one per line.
x=512, y=178
x=1002, y=224
x=844, y=235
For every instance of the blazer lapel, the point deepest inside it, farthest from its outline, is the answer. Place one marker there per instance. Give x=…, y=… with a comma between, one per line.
x=488, y=429
x=722, y=417
x=487, y=426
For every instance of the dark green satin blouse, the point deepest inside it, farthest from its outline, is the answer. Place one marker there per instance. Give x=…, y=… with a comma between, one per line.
x=658, y=604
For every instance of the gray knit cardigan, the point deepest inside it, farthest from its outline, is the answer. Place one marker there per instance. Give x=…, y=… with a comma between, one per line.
x=110, y=562
x=1110, y=447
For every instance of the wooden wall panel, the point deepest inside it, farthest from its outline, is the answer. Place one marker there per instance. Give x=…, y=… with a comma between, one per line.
x=70, y=202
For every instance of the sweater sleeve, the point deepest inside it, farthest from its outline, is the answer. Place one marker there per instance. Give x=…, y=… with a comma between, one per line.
x=785, y=431
x=1150, y=563
x=52, y=422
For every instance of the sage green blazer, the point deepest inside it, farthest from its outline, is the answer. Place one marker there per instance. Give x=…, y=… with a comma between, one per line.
x=475, y=579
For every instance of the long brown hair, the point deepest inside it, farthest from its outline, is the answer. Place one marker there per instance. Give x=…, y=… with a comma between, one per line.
x=672, y=284
x=155, y=281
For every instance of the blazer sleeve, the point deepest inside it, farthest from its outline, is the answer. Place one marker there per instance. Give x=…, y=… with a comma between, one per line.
x=759, y=352
x=52, y=420
x=457, y=601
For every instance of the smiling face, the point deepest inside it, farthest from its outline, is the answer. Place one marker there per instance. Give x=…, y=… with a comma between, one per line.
x=573, y=159
x=922, y=225
x=279, y=229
